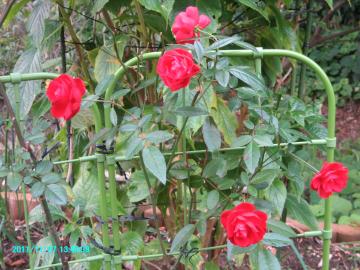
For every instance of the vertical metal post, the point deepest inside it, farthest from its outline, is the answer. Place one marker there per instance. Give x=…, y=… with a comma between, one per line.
x=110, y=162
x=103, y=209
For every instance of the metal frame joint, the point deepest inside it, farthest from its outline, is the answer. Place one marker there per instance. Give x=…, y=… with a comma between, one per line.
x=331, y=142
x=326, y=234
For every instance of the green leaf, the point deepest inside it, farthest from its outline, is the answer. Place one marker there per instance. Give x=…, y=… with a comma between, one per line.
x=330, y=3
x=138, y=189
x=224, y=119
x=36, y=22
x=131, y=243
x=128, y=128
x=235, y=250
x=155, y=162
x=51, y=178
x=211, y=266
x=56, y=194
x=13, y=180
x=3, y=172
x=98, y=6
x=113, y=117
x=103, y=85
x=265, y=176
x=280, y=228
x=252, y=156
x=212, y=136
x=86, y=190
x=106, y=62
x=153, y=247
x=43, y=167
x=276, y=194
x=28, y=180
x=223, y=42
x=163, y=7
x=212, y=199
x=199, y=51
x=182, y=237
x=263, y=139
x=190, y=111
x=222, y=77
x=248, y=77
x=159, y=136
x=83, y=119
x=276, y=240
x=300, y=210
x=267, y=261
x=13, y=11
x=28, y=62
x=241, y=141
x=44, y=258
x=37, y=214
x=37, y=189
x=120, y=93
x=258, y=6
x=135, y=145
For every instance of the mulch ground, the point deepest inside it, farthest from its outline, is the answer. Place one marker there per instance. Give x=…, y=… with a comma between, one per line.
x=347, y=121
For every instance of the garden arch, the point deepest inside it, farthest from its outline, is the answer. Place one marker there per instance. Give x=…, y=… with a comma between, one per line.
x=107, y=159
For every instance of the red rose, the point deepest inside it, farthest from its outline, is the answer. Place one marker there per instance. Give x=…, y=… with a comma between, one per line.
x=65, y=95
x=176, y=67
x=244, y=224
x=185, y=24
x=331, y=178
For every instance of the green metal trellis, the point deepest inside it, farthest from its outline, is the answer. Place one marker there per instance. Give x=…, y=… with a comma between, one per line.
x=108, y=160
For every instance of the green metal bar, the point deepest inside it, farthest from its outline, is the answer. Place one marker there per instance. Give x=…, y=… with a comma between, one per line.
x=30, y=77
x=152, y=256
x=26, y=214
x=110, y=162
x=84, y=260
x=80, y=159
x=309, y=234
x=102, y=200
x=123, y=158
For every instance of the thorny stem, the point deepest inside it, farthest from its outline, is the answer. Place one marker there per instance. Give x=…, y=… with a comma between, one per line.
x=43, y=201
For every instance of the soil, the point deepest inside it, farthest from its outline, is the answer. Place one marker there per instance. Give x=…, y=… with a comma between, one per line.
x=347, y=121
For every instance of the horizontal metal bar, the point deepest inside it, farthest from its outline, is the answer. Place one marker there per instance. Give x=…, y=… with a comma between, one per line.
x=80, y=159
x=30, y=77
x=84, y=260
x=159, y=255
x=309, y=234
x=123, y=158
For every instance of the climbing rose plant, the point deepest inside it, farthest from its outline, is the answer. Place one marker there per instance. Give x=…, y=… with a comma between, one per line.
x=226, y=104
